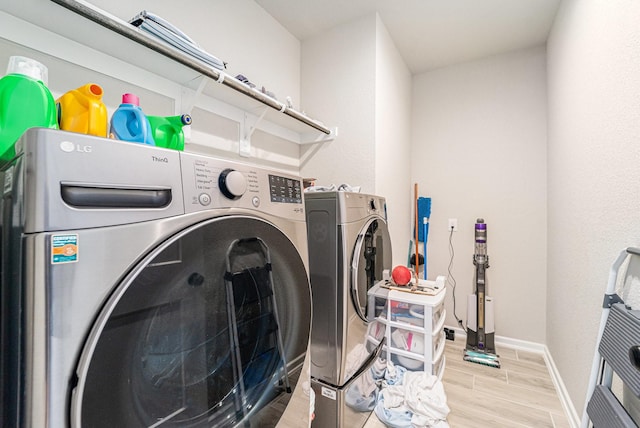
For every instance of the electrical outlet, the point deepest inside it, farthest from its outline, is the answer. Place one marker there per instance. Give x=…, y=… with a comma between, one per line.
x=449, y=334
x=453, y=224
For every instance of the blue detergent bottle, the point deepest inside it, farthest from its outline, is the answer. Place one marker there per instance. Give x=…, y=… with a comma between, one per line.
x=129, y=123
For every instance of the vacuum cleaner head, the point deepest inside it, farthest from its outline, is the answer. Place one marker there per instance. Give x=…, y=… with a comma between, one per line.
x=483, y=358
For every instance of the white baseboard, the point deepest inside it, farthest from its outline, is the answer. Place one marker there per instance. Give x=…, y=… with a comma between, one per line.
x=507, y=342
x=567, y=404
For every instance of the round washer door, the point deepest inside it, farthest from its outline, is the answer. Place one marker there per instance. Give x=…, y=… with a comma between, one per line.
x=210, y=329
x=371, y=255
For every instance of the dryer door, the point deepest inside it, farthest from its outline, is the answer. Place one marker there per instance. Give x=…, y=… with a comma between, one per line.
x=210, y=329
x=371, y=255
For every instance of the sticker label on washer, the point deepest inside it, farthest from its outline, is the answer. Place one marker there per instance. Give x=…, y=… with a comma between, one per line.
x=64, y=249
x=329, y=393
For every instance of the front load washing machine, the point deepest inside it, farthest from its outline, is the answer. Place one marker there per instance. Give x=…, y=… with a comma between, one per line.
x=144, y=287
x=349, y=248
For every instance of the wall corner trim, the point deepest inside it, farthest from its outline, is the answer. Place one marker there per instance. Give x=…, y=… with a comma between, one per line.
x=563, y=394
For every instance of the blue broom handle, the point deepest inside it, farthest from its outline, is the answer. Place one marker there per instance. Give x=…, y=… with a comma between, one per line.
x=424, y=230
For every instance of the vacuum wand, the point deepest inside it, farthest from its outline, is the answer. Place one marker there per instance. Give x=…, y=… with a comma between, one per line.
x=480, y=329
x=481, y=262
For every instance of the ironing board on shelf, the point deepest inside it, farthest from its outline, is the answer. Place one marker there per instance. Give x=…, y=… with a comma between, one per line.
x=617, y=353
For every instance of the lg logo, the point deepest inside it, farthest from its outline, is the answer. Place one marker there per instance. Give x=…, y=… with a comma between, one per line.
x=68, y=146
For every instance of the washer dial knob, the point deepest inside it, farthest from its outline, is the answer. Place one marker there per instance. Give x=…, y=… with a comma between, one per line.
x=232, y=183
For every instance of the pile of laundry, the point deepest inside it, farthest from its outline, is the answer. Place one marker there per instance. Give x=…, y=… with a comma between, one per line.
x=332, y=188
x=400, y=398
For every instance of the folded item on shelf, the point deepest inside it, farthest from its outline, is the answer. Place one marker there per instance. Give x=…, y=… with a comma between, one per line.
x=168, y=33
x=268, y=93
x=244, y=80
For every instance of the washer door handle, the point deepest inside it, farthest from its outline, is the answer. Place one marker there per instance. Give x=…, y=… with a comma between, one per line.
x=85, y=196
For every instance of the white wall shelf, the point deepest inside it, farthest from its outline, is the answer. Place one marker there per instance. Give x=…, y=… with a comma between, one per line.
x=88, y=37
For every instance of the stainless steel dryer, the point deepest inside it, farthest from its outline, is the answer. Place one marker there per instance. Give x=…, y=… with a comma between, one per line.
x=349, y=247
x=143, y=287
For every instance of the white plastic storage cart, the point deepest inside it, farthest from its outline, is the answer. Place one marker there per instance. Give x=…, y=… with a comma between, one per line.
x=413, y=325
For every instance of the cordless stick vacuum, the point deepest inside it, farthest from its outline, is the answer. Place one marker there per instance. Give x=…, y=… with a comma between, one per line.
x=480, y=326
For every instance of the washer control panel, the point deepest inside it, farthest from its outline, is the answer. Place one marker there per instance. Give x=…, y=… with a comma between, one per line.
x=285, y=189
x=210, y=183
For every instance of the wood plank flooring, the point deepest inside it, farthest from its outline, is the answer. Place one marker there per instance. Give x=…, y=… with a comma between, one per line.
x=519, y=394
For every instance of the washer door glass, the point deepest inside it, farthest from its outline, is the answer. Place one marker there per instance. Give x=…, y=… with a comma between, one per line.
x=209, y=330
x=372, y=254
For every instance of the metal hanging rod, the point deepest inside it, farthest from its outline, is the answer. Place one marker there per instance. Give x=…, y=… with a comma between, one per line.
x=122, y=28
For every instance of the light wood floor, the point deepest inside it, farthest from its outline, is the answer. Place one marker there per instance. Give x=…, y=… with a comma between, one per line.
x=518, y=394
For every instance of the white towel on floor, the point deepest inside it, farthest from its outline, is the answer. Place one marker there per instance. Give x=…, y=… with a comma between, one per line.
x=421, y=394
x=425, y=397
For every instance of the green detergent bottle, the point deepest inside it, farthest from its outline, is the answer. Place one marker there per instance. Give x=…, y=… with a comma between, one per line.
x=25, y=102
x=167, y=130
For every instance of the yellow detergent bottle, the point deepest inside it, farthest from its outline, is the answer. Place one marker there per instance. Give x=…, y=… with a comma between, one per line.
x=167, y=130
x=82, y=110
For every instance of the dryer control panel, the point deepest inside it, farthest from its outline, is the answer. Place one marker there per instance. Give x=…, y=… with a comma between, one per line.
x=210, y=183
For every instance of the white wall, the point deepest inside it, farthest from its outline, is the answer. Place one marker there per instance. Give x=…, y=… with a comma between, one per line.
x=393, y=137
x=479, y=150
x=338, y=69
x=594, y=178
x=356, y=80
